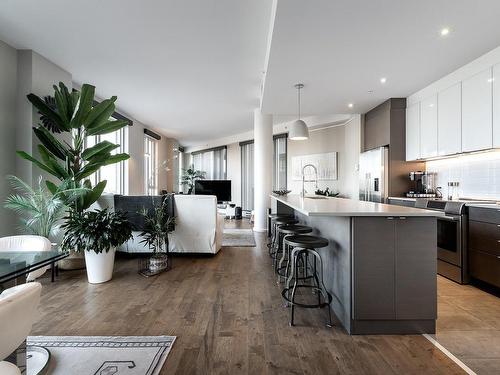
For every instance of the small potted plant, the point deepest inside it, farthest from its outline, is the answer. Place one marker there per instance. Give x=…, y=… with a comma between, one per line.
x=97, y=234
x=158, y=223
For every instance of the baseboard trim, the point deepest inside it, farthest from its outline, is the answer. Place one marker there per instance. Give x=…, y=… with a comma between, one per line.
x=446, y=352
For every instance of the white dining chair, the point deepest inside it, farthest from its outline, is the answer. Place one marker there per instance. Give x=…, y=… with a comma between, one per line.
x=18, y=306
x=27, y=243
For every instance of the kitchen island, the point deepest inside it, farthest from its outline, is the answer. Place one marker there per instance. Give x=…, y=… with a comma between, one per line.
x=380, y=265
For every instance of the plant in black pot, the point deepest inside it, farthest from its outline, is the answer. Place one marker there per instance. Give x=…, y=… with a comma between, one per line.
x=158, y=223
x=97, y=234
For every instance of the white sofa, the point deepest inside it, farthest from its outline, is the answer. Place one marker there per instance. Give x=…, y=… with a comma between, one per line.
x=198, y=227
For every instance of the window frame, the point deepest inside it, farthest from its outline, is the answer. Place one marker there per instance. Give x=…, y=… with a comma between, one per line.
x=152, y=171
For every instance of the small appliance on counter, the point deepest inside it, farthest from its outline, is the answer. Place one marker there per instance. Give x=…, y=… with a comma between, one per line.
x=422, y=185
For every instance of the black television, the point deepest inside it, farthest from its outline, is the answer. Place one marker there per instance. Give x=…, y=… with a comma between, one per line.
x=220, y=188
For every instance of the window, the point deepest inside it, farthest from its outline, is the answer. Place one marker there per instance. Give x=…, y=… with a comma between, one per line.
x=115, y=174
x=247, y=184
x=212, y=162
x=150, y=165
x=279, y=162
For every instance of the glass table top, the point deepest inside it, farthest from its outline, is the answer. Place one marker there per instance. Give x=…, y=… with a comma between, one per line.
x=16, y=263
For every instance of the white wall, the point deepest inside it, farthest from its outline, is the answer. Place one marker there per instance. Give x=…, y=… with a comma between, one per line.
x=350, y=161
x=234, y=171
x=320, y=141
x=8, y=82
x=166, y=178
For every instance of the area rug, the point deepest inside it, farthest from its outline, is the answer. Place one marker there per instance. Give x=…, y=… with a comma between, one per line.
x=234, y=237
x=104, y=355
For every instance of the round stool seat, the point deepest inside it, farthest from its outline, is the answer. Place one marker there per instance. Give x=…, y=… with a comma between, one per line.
x=274, y=216
x=305, y=241
x=294, y=229
x=285, y=220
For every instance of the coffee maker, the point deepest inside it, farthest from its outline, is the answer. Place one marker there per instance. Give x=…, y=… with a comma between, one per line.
x=422, y=185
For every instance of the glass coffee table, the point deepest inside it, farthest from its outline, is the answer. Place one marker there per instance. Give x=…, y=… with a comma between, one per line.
x=17, y=264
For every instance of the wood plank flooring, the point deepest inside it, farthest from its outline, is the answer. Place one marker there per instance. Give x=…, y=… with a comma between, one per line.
x=468, y=325
x=228, y=316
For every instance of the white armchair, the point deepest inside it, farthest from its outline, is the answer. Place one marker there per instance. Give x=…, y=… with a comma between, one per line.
x=17, y=312
x=27, y=243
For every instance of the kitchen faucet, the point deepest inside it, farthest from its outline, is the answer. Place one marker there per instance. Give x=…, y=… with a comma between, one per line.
x=303, y=192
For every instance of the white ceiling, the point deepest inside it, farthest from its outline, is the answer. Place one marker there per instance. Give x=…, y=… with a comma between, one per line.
x=340, y=49
x=193, y=68
x=190, y=67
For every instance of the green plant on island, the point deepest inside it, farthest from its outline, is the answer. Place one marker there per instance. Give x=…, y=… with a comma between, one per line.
x=189, y=176
x=74, y=115
x=98, y=231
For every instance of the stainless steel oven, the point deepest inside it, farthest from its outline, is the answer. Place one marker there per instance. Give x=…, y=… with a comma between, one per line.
x=449, y=239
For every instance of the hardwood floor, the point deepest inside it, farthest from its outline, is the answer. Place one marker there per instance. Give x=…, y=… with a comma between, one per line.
x=469, y=325
x=227, y=314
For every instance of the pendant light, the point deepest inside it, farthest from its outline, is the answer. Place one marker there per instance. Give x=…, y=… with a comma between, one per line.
x=298, y=129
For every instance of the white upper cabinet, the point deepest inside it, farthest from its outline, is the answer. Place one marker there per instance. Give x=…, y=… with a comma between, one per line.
x=413, y=132
x=429, y=127
x=450, y=120
x=477, y=107
x=496, y=105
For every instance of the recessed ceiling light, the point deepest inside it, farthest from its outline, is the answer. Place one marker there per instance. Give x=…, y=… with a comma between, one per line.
x=383, y=80
x=445, y=31
x=350, y=105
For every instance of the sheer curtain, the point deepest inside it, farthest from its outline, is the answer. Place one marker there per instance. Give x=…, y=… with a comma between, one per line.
x=280, y=162
x=247, y=184
x=212, y=162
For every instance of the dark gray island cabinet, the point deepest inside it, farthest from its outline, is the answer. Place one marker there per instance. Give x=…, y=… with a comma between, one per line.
x=380, y=265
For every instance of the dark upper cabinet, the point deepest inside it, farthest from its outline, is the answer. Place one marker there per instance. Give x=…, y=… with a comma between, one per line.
x=385, y=125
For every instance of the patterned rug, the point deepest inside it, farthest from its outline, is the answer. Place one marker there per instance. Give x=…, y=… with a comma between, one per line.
x=104, y=355
x=234, y=237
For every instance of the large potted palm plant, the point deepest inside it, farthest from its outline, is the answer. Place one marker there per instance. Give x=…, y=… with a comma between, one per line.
x=74, y=115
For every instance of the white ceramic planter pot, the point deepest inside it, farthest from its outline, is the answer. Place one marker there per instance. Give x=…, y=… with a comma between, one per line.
x=99, y=266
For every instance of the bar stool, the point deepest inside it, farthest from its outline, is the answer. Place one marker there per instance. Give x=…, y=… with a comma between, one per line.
x=275, y=242
x=283, y=231
x=303, y=247
x=274, y=216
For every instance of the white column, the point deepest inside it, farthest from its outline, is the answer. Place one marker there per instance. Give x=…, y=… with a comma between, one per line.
x=263, y=168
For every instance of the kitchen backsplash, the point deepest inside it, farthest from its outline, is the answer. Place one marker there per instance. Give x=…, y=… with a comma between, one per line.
x=478, y=174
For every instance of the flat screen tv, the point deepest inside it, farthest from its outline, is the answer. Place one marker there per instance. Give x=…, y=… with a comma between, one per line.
x=220, y=188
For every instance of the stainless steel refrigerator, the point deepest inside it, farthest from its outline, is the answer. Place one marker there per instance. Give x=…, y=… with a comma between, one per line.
x=374, y=175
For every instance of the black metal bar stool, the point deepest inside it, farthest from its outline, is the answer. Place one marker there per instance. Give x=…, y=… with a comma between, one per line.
x=275, y=248
x=303, y=247
x=273, y=216
x=283, y=231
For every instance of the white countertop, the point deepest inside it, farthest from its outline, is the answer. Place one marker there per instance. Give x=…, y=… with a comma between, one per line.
x=491, y=205
x=404, y=199
x=349, y=207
